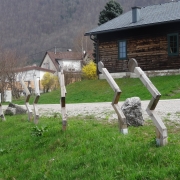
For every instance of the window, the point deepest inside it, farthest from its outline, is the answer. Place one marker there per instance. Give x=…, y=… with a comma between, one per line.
x=173, y=44
x=122, y=49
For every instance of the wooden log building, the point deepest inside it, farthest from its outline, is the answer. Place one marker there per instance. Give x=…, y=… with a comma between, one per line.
x=149, y=34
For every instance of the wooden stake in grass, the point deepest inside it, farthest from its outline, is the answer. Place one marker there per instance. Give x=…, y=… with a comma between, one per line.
x=63, y=99
x=161, y=130
x=27, y=98
x=116, y=89
x=1, y=111
x=37, y=94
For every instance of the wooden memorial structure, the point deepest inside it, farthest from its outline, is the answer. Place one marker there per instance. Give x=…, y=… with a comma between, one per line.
x=28, y=94
x=117, y=93
x=161, y=130
x=1, y=111
x=63, y=97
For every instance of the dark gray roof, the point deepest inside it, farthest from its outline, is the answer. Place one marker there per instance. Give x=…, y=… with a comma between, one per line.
x=150, y=15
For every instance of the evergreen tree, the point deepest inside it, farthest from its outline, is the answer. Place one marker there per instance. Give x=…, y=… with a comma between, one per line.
x=112, y=9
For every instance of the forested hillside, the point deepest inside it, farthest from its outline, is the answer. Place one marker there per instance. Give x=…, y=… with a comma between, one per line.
x=33, y=26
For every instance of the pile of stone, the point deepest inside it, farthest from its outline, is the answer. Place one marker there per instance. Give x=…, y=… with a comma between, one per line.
x=13, y=109
x=133, y=111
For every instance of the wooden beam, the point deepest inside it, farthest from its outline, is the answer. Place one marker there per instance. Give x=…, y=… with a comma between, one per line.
x=116, y=89
x=1, y=111
x=37, y=93
x=157, y=121
x=146, y=81
x=161, y=130
x=27, y=99
x=110, y=80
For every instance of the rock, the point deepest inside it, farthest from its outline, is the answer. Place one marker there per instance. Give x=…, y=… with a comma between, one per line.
x=10, y=111
x=133, y=111
x=19, y=109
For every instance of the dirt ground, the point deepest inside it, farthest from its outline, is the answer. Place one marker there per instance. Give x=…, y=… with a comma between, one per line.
x=166, y=109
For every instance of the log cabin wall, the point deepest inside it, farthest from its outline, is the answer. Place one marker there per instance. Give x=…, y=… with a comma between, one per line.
x=148, y=45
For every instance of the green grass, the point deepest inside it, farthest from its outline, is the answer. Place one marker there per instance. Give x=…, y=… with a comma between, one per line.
x=100, y=91
x=89, y=149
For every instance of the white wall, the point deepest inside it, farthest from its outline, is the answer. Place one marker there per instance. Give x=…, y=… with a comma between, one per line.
x=48, y=64
x=71, y=65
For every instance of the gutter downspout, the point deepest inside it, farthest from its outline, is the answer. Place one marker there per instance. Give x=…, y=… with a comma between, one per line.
x=97, y=53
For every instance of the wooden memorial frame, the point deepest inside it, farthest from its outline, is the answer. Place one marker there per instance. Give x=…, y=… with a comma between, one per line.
x=161, y=130
x=121, y=117
x=27, y=98
x=1, y=111
x=37, y=96
x=63, y=98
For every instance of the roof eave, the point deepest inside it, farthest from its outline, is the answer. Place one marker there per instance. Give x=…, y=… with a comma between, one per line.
x=126, y=28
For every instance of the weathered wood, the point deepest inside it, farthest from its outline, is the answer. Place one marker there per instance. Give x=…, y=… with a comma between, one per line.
x=63, y=99
x=116, y=97
x=121, y=118
x=158, y=122
x=110, y=80
x=37, y=93
x=116, y=89
x=162, y=130
x=153, y=103
x=146, y=81
x=1, y=111
x=27, y=99
x=147, y=45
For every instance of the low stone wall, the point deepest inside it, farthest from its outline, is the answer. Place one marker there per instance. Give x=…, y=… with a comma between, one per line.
x=148, y=73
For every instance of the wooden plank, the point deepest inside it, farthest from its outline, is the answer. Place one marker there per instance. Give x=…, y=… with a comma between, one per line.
x=110, y=80
x=153, y=103
x=121, y=118
x=120, y=114
x=158, y=122
x=25, y=87
x=36, y=84
x=145, y=80
x=29, y=111
x=1, y=113
x=116, y=97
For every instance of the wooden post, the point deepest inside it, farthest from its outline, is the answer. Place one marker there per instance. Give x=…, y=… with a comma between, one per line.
x=27, y=99
x=37, y=94
x=116, y=89
x=63, y=99
x=1, y=111
x=161, y=130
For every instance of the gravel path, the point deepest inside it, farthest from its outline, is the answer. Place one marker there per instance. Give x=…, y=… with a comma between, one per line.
x=165, y=109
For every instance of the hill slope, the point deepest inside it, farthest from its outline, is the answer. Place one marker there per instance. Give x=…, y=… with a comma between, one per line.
x=35, y=26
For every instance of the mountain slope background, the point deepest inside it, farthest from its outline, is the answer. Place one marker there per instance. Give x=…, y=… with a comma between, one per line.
x=33, y=27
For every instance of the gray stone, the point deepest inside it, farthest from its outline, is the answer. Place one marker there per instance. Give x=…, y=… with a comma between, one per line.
x=133, y=111
x=19, y=109
x=10, y=111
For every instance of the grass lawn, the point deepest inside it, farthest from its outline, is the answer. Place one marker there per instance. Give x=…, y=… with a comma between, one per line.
x=100, y=91
x=89, y=149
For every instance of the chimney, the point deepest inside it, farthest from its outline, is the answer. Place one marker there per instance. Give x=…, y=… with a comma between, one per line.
x=136, y=14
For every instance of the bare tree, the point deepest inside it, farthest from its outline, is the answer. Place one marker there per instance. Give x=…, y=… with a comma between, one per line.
x=9, y=62
x=82, y=43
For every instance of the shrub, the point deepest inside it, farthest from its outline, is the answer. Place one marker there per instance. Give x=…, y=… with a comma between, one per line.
x=48, y=81
x=89, y=71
